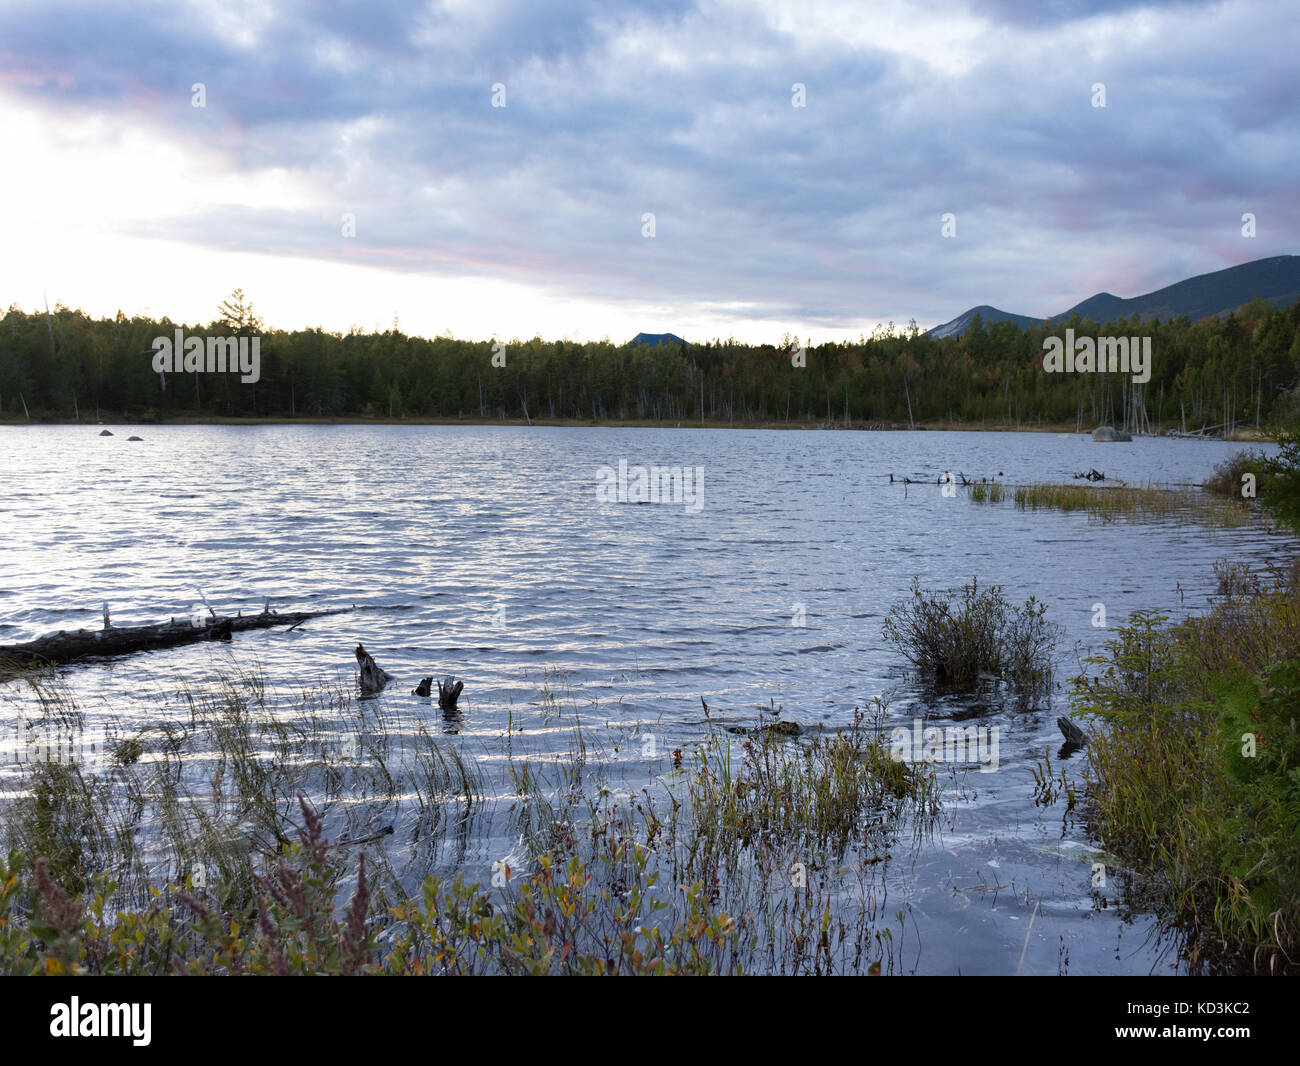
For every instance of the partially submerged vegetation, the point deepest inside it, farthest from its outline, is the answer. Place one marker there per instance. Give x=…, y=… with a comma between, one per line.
x=214, y=783
x=1193, y=767
x=959, y=635
x=1108, y=502
x=243, y=833
x=190, y=847
x=1195, y=779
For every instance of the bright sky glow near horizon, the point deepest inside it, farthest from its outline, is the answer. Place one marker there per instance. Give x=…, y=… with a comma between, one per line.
x=821, y=221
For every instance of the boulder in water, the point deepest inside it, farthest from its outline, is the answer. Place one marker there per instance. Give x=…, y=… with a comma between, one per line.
x=1106, y=434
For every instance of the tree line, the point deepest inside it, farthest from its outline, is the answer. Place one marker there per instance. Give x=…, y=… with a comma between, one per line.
x=1236, y=370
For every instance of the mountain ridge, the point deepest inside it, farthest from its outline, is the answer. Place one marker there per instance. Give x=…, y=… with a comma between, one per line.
x=1217, y=293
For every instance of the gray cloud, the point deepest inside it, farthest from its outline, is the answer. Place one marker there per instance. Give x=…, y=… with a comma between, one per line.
x=827, y=215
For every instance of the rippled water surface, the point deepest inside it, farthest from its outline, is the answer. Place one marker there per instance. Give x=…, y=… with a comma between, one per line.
x=485, y=552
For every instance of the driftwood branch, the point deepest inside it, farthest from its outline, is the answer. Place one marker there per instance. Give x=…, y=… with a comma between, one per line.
x=113, y=640
x=940, y=479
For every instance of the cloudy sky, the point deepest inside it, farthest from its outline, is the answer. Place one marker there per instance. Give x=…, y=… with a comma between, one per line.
x=821, y=220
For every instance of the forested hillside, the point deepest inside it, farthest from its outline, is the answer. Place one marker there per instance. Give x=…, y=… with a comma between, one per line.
x=1232, y=370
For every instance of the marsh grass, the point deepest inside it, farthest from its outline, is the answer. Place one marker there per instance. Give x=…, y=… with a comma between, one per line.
x=788, y=839
x=988, y=491
x=1050, y=785
x=212, y=791
x=762, y=854
x=813, y=794
x=1107, y=503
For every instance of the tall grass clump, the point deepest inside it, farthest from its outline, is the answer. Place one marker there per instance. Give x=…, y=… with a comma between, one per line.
x=957, y=635
x=1195, y=772
x=788, y=837
x=987, y=491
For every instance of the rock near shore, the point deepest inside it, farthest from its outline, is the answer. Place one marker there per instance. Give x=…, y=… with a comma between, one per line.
x=1109, y=433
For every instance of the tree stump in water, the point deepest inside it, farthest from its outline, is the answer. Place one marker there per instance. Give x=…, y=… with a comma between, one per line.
x=373, y=677
x=449, y=690
x=1074, y=736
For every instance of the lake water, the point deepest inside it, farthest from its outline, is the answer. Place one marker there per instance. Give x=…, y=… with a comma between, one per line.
x=486, y=552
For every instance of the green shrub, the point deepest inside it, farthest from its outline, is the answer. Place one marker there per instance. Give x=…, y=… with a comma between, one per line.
x=960, y=634
x=1283, y=497
x=1228, y=477
x=1195, y=773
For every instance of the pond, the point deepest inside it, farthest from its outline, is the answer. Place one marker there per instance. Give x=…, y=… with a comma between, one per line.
x=505, y=556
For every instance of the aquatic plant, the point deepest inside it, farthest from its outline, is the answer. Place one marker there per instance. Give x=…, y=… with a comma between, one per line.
x=760, y=854
x=958, y=635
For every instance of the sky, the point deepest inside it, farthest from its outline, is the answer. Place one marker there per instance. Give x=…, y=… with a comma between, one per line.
x=511, y=168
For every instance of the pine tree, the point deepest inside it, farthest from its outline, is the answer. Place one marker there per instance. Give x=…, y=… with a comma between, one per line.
x=237, y=313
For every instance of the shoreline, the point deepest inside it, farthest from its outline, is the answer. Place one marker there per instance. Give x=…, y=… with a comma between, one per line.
x=1247, y=435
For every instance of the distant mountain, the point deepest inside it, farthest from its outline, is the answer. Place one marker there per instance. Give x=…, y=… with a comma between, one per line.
x=961, y=323
x=654, y=339
x=1276, y=280
x=1105, y=307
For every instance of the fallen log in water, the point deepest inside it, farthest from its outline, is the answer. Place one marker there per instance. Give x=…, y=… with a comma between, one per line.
x=66, y=647
x=940, y=479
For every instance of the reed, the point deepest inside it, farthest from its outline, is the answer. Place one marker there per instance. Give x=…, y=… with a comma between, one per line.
x=987, y=491
x=200, y=853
